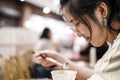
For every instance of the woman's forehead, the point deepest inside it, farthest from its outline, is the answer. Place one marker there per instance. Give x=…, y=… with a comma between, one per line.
x=68, y=20
x=67, y=16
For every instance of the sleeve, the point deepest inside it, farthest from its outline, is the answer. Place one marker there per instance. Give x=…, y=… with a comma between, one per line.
x=96, y=77
x=112, y=71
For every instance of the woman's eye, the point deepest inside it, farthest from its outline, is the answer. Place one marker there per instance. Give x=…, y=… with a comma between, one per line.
x=77, y=24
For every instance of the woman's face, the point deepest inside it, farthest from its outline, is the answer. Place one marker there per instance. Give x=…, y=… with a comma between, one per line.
x=98, y=37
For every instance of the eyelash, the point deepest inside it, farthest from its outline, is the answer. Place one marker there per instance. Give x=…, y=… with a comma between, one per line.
x=77, y=24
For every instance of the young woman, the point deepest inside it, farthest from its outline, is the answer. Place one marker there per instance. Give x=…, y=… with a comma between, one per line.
x=98, y=21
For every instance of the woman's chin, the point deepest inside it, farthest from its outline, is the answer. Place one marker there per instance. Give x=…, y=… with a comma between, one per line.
x=97, y=44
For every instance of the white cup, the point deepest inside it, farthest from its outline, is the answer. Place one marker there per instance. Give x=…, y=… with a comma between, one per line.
x=63, y=75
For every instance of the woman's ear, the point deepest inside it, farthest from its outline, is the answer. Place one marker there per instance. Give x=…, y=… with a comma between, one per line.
x=103, y=10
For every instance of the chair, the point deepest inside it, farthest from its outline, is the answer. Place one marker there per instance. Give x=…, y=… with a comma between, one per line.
x=17, y=67
x=24, y=64
x=10, y=68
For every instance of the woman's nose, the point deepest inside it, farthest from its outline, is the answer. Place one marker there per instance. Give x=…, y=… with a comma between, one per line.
x=79, y=33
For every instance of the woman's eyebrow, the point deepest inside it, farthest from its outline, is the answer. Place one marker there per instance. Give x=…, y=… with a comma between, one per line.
x=71, y=20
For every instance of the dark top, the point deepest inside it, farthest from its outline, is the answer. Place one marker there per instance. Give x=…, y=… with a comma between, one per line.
x=100, y=50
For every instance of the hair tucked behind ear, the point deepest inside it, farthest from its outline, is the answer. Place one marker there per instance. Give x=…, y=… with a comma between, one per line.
x=63, y=3
x=79, y=8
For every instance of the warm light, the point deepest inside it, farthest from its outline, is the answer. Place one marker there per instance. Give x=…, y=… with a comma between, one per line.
x=46, y=10
x=28, y=24
x=56, y=2
x=22, y=0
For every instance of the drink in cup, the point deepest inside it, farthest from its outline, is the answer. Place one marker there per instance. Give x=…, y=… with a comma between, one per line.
x=63, y=75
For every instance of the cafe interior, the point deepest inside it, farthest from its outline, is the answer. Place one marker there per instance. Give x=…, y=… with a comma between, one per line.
x=21, y=25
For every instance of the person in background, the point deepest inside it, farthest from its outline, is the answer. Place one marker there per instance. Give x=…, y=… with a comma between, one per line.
x=45, y=42
x=98, y=21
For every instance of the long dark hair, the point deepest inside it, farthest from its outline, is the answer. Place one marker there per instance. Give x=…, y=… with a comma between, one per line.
x=63, y=3
x=79, y=8
x=45, y=33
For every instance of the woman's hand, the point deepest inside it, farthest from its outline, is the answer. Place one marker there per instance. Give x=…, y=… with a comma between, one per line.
x=50, y=54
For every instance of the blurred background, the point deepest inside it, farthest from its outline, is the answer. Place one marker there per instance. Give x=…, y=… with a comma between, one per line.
x=22, y=22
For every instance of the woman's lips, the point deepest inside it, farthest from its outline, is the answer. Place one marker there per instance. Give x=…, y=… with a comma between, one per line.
x=87, y=38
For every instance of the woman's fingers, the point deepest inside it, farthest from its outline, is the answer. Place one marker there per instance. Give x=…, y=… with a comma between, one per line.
x=47, y=63
x=41, y=56
x=43, y=61
x=38, y=58
x=43, y=52
x=48, y=53
x=36, y=55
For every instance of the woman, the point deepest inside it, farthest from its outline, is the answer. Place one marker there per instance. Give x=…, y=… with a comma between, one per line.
x=98, y=21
